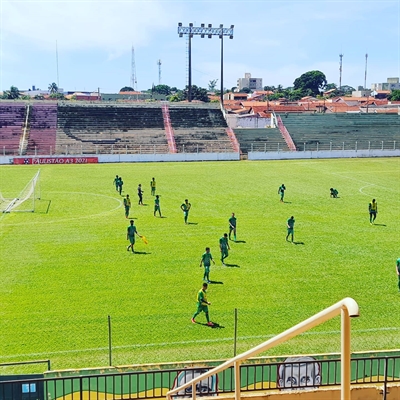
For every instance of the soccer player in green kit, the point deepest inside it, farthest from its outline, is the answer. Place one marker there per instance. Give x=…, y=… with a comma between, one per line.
x=290, y=228
x=398, y=271
x=130, y=235
x=224, y=247
x=157, y=205
x=232, y=227
x=206, y=259
x=202, y=304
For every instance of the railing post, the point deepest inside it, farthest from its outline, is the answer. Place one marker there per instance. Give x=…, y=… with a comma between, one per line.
x=237, y=379
x=154, y=149
x=382, y=144
x=126, y=149
x=394, y=145
x=97, y=149
x=35, y=150
x=265, y=147
x=197, y=148
x=252, y=147
x=183, y=148
x=112, y=149
x=81, y=149
x=279, y=148
x=356, y=145
x=346, y=359
x=317, y=146
x=304, y=146
x=140, y=149
x=51, y=150
x=66, y=149
x=330, y=146
x=343, y=146
x=369, y=145
x=4, y=150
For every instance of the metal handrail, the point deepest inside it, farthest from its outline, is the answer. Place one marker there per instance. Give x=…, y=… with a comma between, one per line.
x=347, y=307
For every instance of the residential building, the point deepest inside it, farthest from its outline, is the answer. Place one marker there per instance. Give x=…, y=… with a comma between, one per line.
x=249, y=82
x=391, y=84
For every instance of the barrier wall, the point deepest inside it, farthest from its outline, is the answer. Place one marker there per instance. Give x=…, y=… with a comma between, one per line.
x=286, y=155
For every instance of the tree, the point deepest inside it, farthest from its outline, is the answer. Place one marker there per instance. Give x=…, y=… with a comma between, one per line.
x=198, y=93
x=212, y=85
x=395, y=95
x=11, y=94
x=127, y=89
x=313, y=80
x=57, y=95
x=269, y=88
x=162, y=89
x=53, y=88
x=330, y=86
x=245, y=90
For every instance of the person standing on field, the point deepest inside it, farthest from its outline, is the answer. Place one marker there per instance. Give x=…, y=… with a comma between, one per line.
x=153, y=187
x=116, y=182
x=202, y=305
x=290, y=228
x=281, y=191
x=140, y=194
x=130, y=235
x=120, y=184
x=224, y=247
x=232, y=227
x=185, y=207
x=206, y=259
x=398, y=271
x=373, y=210
x=127, y=205
x=157, y=205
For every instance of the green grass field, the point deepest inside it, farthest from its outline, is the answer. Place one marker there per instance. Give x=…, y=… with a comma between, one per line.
x=65, y=269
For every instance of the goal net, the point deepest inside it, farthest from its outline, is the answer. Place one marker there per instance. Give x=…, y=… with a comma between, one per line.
x=26, y=199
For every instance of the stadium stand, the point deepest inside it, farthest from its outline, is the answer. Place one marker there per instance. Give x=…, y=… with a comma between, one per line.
x=199, y=129
x=98, y=128
x=260, y=140
x=343, y=131
x=43, y=128
x=12, y=116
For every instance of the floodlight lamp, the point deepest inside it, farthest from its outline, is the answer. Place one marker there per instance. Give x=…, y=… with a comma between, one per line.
x=202, y=35
x=220, y=36
x=231, y=37
x=221, y=26
x=180, y=35
x=232, y=26
x=209, y=36
x=202, y=25
x=191, y=24
x=209, y=25
x=180, y=24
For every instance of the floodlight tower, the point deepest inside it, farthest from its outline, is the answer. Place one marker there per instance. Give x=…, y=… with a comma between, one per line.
x=203, y=31
x=159, y=71
x=340, y=71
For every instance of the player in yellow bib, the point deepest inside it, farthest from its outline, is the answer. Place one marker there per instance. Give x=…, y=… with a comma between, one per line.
x=373, y=210
x=202, y=304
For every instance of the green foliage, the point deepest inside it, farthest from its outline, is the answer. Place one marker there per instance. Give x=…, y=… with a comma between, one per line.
x=310, y=82
x=58, y=96
x=394, y=96
x=53, y=88
x=11, y=94
x=127, y=89
x=212, y=85
x=64, y=271
x=162, y=89
x=245, y=90
x=198, y=93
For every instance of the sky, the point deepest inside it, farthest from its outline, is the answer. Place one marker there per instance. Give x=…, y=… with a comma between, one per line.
x=87, y=45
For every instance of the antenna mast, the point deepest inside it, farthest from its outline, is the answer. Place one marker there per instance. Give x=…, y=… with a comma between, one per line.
x=133, y=71
x=58, y=83
x=340, y=71
x=159, y=71
x=365, y=77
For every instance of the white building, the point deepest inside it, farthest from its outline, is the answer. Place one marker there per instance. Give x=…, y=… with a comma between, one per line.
x=249, y=82
x=391, y=84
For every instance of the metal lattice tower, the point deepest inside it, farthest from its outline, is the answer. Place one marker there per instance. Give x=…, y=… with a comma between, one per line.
x=365, y=76
x=159, y=71
x=133, y=71
x=340, y=71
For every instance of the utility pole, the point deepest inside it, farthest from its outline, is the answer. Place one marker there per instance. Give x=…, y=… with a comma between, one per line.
x=365, y=77
x=340, y=71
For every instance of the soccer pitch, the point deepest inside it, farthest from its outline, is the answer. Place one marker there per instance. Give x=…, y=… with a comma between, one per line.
x=65, y=269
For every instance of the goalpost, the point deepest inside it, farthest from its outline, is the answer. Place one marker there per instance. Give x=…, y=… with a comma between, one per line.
x=25, y=202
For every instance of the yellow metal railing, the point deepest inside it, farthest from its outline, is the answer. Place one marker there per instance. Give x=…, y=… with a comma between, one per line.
x=347, y=307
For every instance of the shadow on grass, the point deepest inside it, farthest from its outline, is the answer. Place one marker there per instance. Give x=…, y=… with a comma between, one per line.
x=298, y=243
x=232, y=265
x=216, y=282
x=215, y=326
x=239, y=241
x=192, y=223
x=379, y=224
x=141, y=252
x=42, y=206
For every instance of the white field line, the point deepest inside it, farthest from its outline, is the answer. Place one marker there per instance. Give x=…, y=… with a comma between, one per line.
x=75, y=218
x=189, y=342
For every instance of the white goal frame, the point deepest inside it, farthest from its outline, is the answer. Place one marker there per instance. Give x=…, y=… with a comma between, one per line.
x=27, y=197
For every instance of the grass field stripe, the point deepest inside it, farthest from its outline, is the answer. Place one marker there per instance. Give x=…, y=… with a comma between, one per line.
x=188, y=342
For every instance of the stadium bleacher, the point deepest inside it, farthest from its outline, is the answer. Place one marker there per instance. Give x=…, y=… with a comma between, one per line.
x=260, y=140
x=342, y=131
x=12, y=118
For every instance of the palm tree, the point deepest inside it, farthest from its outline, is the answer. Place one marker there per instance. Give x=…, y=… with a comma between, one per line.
x=53, y=88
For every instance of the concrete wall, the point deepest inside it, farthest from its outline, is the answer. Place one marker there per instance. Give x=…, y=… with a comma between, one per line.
x=115, y=158
x=286, y=155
